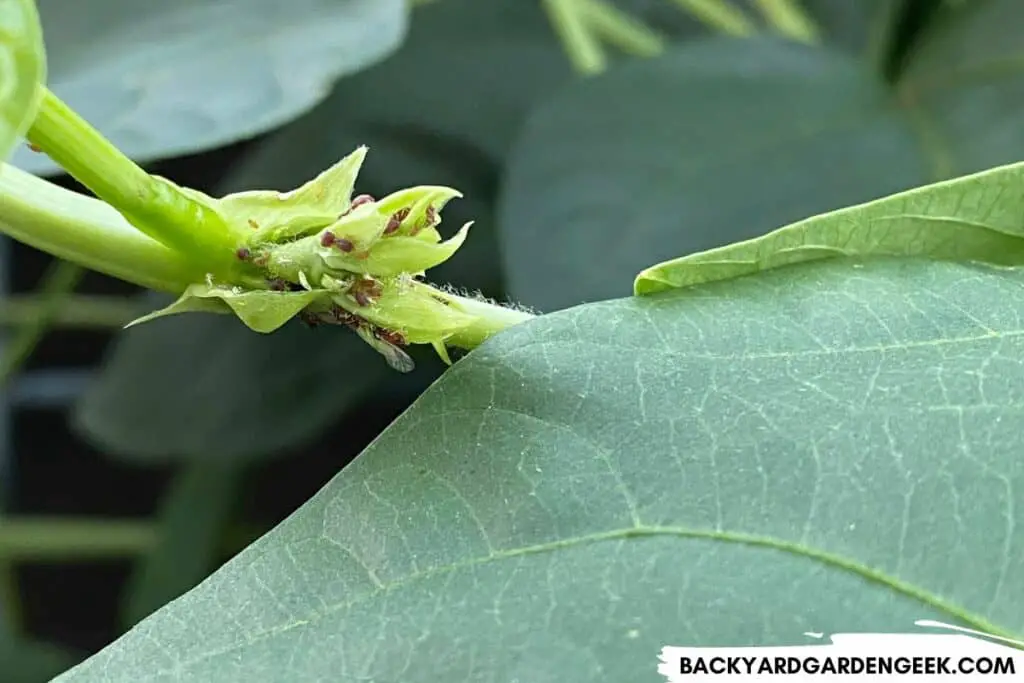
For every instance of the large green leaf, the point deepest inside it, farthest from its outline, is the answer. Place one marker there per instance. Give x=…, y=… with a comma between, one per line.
x=828, y=447
x=162, y=79
x=22, y=69
x=722, y=140
x=206, y=386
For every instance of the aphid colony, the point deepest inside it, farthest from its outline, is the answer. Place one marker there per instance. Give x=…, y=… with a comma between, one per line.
x=363, y=291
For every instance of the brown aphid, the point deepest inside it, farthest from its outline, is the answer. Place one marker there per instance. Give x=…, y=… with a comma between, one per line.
x=390, y=336
x=309, y=319
x=395, y=222
x=34, y=147
x=253, y=224
x=366, y=291
x=345, y=318
x=278, y=285
x=243, y=254
x=344, y=244
x=356, y=203
x=327, y=239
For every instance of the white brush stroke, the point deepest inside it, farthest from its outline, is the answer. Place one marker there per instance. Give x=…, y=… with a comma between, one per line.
x=927, y=651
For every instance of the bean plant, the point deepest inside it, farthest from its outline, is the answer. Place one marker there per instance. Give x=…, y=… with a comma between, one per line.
x=672, y=422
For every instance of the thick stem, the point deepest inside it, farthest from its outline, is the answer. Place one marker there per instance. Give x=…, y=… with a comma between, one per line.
x=155, y=206
x=88, y=232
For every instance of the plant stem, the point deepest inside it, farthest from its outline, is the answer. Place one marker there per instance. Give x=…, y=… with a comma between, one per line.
x=152, y=204
x=583, y=50
x=789, y=19
x=719, y=15
x=87, y=232
x=626, y=32
x=27, y=539
x=60, y=279
x=81, y=311
x=491, y=319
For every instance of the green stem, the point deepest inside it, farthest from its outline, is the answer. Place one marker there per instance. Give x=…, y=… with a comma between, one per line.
x=626, y=32
x=29, y=540
x=152, y=204
x=88, y=232
x=719, y=15
x=580, y=45
x=789, y=19
x=491, y=319
x=82, y=311
x=59, y=281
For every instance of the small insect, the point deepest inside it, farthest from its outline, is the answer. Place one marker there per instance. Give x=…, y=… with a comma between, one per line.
x=365, y=291
x=345, y=318
x=278, y=285
x=243, y=254
x=344, y=244
x=309, y=319
x=34, y=147
x=327, y=239
x=356, y=203
x=253, y=224
x=395, y=222
x=396, y=358
x=430, y=219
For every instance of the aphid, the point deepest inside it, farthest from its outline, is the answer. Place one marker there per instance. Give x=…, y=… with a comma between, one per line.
x=430, y=219
x=253, y=224
x=395, y=222
x=390, y=336
x=357, y=202
x=365, y=292
x=344, y=244
x=309, y=319
x=34, y=147
x=243, y=254
x=327, y=239
x=278, y=285
x=345, y=318
x=360, y=200
x=396, y=358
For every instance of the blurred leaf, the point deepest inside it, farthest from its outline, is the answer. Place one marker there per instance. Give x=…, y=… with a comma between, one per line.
x=22, y=68
x=163, y=79
x=977, y=218
x=203, y=386
x=965, y=86
x=28, y=661
x=864, y=27
x=851, y=431
x=193, y=518
x=469, y=70
x=716, y=141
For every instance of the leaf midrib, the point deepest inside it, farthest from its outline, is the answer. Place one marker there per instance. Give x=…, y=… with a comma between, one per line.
x=643, y=531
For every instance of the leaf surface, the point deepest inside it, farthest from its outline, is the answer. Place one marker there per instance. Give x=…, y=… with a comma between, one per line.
x=829, y=447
